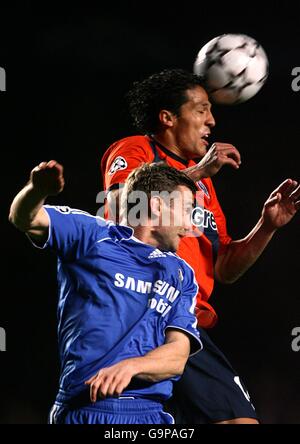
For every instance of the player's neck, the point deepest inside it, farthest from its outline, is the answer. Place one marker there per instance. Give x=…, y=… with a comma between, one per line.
x=145, y=235
x=168, y=142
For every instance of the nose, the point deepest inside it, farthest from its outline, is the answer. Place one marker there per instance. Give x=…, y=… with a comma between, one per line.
x=187, y=224
x=210, y=121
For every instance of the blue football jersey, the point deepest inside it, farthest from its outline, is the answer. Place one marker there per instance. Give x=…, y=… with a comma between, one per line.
x=117, y=297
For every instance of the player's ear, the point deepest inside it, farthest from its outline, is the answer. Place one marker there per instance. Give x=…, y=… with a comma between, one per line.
x=166, y=118
x=155, y=206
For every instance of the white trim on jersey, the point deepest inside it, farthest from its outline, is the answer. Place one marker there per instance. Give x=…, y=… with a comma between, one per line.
x=169, y=414
x=135, y=239
x=104, y=239
x=53, y=413
x=48, y=238
x=175, y=327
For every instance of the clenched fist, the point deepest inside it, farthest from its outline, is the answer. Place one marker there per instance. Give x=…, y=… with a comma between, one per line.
x=48, y=178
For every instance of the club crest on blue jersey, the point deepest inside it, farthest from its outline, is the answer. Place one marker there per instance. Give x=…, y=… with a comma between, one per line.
x=118, y=164
x=203, y=188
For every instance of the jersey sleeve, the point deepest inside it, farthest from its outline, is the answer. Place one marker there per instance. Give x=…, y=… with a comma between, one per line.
x=72, y=232
x=224, y=237
x=123, y=157
x=183, y=316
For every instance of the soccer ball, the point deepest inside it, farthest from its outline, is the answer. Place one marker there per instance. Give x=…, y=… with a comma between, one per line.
x=234, y=68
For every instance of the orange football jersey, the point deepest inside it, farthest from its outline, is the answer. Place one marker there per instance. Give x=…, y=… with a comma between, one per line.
x=199, y=252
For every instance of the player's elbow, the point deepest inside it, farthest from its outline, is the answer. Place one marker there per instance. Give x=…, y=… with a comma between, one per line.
x=174, y=370
x=182, y=360
x=181, y=350
x=224, y=278
x=223, y=273
x=17, y=222
x=13, y=220
x=181, y=367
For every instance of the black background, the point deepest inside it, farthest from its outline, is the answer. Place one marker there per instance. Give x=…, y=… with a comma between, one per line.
x=67, y=72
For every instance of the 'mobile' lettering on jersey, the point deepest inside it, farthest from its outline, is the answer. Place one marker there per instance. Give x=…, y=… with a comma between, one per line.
x=201, y=217
x=160, y=306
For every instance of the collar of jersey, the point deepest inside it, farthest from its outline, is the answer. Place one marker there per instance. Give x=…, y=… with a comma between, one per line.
x=144, y=243
x=170, y=153
x=123, y=232
x=120, y=232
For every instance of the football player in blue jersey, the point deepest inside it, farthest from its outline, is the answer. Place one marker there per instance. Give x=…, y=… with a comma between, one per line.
x=126, y=301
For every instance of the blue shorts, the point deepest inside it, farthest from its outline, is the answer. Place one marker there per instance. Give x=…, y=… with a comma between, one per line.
x=209, y=390
x=111, y=411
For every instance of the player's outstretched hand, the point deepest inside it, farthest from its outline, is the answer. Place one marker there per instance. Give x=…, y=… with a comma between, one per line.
x=218, y=155
x=111, y=381
x=48, y=178
x=282, y=204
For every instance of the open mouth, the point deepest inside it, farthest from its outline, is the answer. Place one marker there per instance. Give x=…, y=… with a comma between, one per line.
x=204, y=139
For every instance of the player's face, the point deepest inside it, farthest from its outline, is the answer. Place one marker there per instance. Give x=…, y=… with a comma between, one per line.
x=193, y=126
x=175, y=220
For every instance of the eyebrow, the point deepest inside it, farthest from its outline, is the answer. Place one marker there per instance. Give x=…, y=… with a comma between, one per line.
x=204, y=104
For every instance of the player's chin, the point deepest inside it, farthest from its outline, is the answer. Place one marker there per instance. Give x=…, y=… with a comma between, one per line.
x=171, y=245
x=175, y=244
x=201, y=149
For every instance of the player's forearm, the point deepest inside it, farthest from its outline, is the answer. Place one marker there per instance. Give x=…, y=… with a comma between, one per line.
x=25, y=207
x=242, y=254
x=163, y=362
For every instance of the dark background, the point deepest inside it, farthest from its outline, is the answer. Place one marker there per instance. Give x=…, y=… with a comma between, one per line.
x=67, y=73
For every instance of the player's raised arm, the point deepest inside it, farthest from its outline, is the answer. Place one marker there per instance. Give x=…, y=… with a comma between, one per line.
x=280, y=207
x=26, y=211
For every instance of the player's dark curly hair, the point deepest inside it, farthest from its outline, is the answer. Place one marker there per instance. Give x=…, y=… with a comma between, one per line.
x=163, y=90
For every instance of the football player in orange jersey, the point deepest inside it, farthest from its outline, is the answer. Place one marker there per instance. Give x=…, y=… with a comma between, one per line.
x=171, y=110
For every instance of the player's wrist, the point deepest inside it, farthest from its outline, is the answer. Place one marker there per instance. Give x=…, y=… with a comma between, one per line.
x=36, y=190
x=202, y=173
x=267, y=226
x=135, y=365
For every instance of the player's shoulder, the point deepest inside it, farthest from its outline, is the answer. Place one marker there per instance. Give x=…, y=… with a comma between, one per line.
x=67, y=215
x=122, y=152
x=172, y=258
x=67, y=211
x=187, y=270
x=136, y=139
x=129, y=145
x=96, y=226
x=141, y=142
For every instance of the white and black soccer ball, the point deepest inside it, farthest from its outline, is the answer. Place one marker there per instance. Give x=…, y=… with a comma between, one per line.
x=234, y=68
